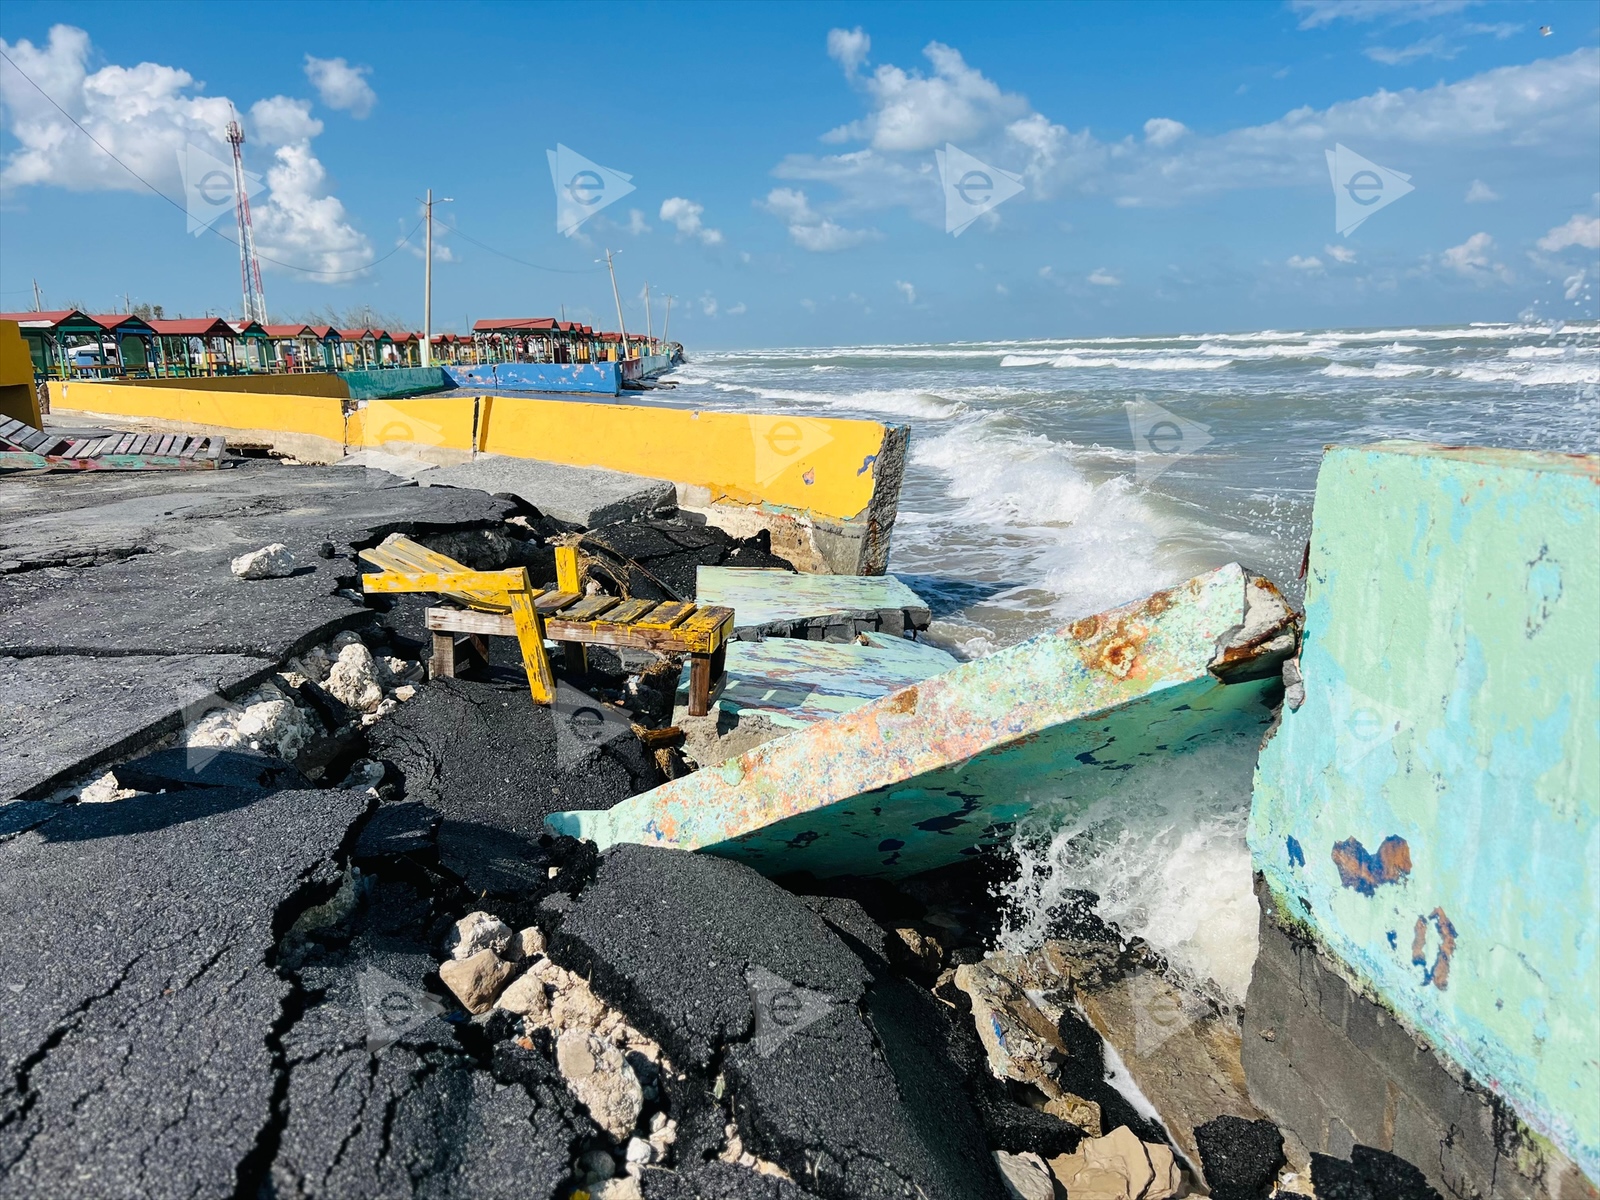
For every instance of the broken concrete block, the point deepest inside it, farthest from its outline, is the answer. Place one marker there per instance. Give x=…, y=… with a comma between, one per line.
x=478, y=931
x=526, y=997
x=476, y=980
x=600, y=1077
x=787, y=604
x=526, y=944
x=1025, y=1175
x=586, y=496
x=934, y=771
x=270, y=562
x=266, y=720
x=353, y=679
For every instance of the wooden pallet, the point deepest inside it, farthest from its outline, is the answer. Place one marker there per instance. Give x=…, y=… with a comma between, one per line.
x=24, y=448
x=573, y=620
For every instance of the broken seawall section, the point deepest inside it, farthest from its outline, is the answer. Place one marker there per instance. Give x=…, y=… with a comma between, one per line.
x=1425, y=824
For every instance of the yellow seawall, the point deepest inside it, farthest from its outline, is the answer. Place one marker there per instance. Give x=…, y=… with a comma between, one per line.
x=311, y=383
x=826, y=488
x=18, y=400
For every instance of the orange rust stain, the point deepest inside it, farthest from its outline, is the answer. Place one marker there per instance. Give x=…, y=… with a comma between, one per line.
x=1439, y=973
x=1084, y=628
x=902, y=702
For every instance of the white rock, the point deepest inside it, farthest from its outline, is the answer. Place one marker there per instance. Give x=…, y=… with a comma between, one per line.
x=314, y=664
x=478, y=931
x=354, y=678
x=624, y=1188
x=404, y=692
x=104, y=790
x=640, y=1151
x=266, y=720
x=603, y=1082
x=383, y=710
x=1026, y=1176
x=526, y=944
x=394, y=671
x=526, y=998
x=269, y=562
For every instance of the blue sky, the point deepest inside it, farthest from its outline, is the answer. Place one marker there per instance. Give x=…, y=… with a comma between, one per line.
x=786, y=191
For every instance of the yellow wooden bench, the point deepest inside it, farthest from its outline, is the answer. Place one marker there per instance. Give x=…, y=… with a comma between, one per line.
x=505, y=604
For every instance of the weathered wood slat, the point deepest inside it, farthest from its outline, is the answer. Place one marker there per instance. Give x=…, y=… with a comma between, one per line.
x=164, y=445
x=590, y=608
x=10, y=427
x=549, y=603
x=495, y=583
x=630, y=612
x=667, y=615
x=464, y=620
x=76, y=448
x=33, y=439
x=218, y=444
x=705, y=624
x=190, y=445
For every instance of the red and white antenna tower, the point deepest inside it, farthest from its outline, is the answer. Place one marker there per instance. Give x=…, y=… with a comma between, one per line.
x=255, y=299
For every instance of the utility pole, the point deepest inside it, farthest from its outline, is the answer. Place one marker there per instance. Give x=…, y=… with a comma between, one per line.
x=667, y=324
x=38, y=304
x=649, y=327
x=622, y=327
x=427, y=281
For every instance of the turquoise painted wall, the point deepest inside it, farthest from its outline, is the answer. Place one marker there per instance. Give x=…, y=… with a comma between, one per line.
x=1432, y=810
x=390, y=383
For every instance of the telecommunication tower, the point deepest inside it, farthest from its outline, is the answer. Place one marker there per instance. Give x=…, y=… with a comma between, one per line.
x=255, y=299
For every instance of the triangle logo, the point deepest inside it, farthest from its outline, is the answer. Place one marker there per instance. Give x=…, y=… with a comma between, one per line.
x=971, y=187
x=208, y=192
x=583, y=187
x=1361, y=187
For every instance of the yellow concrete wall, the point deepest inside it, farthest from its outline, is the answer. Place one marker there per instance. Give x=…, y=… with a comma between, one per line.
x=314, y=416
x=402, y=425
x=310, y=384
x=18, y=400
x=816, y=463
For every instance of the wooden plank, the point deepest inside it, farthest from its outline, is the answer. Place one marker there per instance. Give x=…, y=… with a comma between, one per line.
x=667, y=615
x=567, y=569
x=708, y=628
x=190, y=445
x=11, y=428
x=164, y=446
x=550, y=603
x=443, y=663
x=600, y=633
x=499, y=583
x=630, y=611
x=33, y=439
x=530, y=637
x=75, y=448
x=464, y=620
x=123, y=443
x=218, y=445
x=590, y=608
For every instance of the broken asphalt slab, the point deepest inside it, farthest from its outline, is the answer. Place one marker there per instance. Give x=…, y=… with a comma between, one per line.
x=140, y=1019
x=63, y=715
x=725, y=968
x=583, y=496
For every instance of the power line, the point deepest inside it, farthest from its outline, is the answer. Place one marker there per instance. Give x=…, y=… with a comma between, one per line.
x=514, y=258
x=211, y=228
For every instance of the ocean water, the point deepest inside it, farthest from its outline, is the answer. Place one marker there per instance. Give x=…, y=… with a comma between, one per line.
x=1028, y=502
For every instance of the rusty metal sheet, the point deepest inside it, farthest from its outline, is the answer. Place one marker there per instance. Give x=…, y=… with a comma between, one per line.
x=933, y=771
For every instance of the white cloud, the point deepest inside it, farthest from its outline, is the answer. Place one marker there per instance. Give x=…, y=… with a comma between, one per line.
x=1343, y=254
x=1574, y=284
x=809, y=228
x=1472, y=259
x=1481, y=193
x=146, y=116
x=849, y=48
x=1047, y=272
x=636, y=223
x=708, y=304
x=915, y=112
x=1578, y=231
x=738, y=309
x=1101, y=277
x=280, y=120
x=1433, y=47
x=1309, y=263
x=685, y=215
x=1316, y=13
x=907, y=290
x=342, y=86
x=1163, y=131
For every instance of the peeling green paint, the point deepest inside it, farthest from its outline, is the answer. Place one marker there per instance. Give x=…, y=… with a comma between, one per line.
x=1451, y=661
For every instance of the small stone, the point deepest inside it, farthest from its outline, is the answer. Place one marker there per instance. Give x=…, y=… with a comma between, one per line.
x=525, y=997
x=1075, y=1110
x=1025, y=1175
x=658, y=1122
x=525, y=944
x=623, y=1188
x=325, y=550
x=269, y=562
x=383, y=710
x=394, y=671
x=1241, y=1158
x=600, y=1078
x=477, y=980
x=354, y=678
x=104, y=790
x=640, y=1151
x=404, y=692
x=478, y=931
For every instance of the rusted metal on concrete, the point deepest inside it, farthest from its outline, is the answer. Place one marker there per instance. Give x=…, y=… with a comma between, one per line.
x=937, y=770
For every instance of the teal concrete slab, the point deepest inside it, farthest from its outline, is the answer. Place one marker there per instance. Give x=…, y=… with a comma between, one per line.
x=1430, y=814
x=763, y=598
x=795, y=683
x=939, y=769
